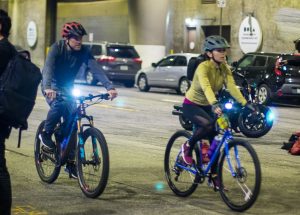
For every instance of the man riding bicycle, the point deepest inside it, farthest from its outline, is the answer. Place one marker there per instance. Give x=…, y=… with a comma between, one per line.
x=61, y=67
x=200, y=102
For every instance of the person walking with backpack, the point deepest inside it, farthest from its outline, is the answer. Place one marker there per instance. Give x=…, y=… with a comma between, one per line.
x=200, y=104
x=7, y=51
x=61, y=67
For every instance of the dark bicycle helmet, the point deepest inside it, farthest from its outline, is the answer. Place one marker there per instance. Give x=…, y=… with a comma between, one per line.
x=72, y=29
x=215, y=42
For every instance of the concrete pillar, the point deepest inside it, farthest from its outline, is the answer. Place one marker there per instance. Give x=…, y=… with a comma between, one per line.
x=147, y=21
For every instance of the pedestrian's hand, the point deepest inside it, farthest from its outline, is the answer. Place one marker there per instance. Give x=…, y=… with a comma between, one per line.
x=283, y=62
x=112, y=93
x=50, y=94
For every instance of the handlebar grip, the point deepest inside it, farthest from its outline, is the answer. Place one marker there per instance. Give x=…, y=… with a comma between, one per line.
x=105, y=96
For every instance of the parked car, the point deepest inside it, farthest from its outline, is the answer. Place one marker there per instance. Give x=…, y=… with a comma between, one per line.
x=169, y=72
x=271, y=79
x=119, y=61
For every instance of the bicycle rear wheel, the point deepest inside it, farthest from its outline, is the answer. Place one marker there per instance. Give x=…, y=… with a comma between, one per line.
x=239, y=191
x=45, y=163
x=92, y=163
x=182, y=182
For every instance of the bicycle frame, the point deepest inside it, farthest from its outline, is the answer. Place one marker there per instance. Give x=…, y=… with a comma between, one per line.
x=76, y=125
x=204, y=171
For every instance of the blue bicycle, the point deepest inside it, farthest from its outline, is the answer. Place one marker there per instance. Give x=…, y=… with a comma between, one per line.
x=92, y=159
x=238, y=167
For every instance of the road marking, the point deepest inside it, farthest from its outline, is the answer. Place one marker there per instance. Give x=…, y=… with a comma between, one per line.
x=27, y=209
x=118, y=108
x=172, y=101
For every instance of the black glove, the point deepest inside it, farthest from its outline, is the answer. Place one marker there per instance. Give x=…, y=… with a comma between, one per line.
x=251, y=107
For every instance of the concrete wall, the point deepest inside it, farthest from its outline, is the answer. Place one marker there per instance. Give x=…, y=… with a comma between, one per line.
x=279, y=20
x=107, y=20
x=160, y=22
x=22, y=12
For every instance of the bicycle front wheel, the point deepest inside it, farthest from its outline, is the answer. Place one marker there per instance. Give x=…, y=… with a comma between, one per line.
x=182, y=182
x=92, y=163
x=240, y=175
x=45, y=163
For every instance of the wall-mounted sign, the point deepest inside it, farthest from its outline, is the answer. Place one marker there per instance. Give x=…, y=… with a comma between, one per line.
x=221, y=3
x=31, y=34
x=250, y=35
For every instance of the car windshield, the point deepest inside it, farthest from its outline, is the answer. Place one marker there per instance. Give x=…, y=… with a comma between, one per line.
x=122, y=52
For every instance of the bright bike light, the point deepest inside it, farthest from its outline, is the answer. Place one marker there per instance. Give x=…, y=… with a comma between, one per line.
x=270, y=116
x=76, y=92
x=228, y=105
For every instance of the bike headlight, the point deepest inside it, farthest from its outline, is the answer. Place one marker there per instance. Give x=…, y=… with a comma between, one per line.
x=76, y=92
x=228, y=105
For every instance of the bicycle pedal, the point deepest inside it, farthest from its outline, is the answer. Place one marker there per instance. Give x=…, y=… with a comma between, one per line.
x=46, y=150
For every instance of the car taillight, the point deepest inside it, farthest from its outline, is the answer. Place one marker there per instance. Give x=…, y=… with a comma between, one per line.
x=277, y=70
x=137, y=60
x=106, y=59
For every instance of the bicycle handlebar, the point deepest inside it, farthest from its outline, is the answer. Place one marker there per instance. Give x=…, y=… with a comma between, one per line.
x=60, y=95
x=104, y=96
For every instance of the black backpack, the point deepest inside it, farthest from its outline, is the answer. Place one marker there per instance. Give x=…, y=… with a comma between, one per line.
x=193, y=64
x=18, y=89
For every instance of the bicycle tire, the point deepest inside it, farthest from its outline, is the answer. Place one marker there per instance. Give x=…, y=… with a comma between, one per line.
x=240, y=192
x=88, y=165
x=185, y=183
x=47, y=168
x=259, y=127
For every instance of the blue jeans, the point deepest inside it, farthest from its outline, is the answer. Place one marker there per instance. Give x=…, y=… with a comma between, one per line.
x=61, y=108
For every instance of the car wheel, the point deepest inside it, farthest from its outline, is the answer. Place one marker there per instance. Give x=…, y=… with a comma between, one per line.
x=264, y=94
x=184, y=85
x=129, y=84
x=90, y=80
x=143, y=83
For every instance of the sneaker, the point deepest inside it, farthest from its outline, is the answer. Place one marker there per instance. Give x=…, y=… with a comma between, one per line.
x=71, y=169
x=46, y=141
x=214, y=182
x=185, y=149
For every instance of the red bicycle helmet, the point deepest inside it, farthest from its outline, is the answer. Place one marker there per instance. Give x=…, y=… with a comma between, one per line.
x=72, y=29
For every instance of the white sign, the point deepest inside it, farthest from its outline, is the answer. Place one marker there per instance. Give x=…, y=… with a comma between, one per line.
x=250, y=35
x=31, y=34
x=91, y=37
x=221, y=3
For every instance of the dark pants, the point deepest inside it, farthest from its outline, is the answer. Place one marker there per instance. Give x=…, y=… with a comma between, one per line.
x=5, y=185
x=203, y=118
x=61, y=108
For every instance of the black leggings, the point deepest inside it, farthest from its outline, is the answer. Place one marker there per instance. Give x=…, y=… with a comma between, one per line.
x=203, y=118
x=5, y=185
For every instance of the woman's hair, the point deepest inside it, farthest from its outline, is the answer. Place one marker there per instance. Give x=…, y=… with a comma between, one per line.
x=5, y=23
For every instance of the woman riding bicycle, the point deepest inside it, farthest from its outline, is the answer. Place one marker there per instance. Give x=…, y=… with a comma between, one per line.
x=200, y=102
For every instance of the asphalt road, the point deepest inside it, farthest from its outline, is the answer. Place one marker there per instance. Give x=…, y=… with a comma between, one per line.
x=137, y=127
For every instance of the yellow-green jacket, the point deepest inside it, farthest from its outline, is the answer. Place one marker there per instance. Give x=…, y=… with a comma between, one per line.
x=208, y=80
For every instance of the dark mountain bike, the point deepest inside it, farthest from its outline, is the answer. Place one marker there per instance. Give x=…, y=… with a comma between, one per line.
x=238, y=171
x=92, y=159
